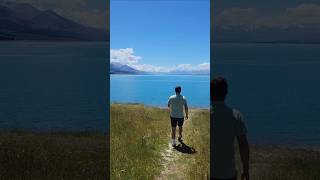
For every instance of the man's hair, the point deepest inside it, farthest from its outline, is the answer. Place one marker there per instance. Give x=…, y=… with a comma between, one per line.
x=178, y=89
x=218, y=89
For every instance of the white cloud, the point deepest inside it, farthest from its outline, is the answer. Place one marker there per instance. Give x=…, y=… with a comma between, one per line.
x=249, y=18
x=126, y=56
x=204, y=66
x=177, y=68
x=184, y=67
x=190, y=67
x=152, y=68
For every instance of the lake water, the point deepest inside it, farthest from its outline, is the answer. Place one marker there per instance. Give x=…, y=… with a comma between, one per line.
x=64, y=87
x=51, y=86
x=155, y=90
x=277, y=87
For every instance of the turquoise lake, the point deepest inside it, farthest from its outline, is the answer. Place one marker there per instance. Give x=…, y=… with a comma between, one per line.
x=155, y=90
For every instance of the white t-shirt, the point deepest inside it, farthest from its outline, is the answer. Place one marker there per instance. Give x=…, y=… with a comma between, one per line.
x=227, y=124
x=176, y=103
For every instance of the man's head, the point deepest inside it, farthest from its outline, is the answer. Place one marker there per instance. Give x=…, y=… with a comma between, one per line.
x=178, y=90
x=218, y=89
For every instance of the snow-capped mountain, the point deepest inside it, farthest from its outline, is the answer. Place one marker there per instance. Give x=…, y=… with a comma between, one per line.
x=117, y=68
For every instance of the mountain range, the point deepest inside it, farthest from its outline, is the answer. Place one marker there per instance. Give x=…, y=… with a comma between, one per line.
x=117, y=68
x=22, y=21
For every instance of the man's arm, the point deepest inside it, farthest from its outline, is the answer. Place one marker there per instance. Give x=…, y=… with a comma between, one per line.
x=244, y=153
x=186, y=110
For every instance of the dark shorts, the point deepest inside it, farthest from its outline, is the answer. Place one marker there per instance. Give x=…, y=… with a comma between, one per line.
x=234, y=178
x=175, y=121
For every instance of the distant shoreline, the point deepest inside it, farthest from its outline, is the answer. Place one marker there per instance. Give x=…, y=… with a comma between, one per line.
x=155, y=106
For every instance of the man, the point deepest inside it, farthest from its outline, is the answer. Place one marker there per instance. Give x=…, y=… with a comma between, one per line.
x=176, y=103
x=227, y=125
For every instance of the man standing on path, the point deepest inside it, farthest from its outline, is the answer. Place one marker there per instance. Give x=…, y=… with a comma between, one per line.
x=227, y=124
x=176, y=104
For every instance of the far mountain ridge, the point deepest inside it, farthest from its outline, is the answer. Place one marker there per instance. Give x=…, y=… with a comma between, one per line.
x=118, y=68
x=22, y=21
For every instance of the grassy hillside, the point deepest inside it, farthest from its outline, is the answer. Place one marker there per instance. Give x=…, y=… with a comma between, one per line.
x=275, y=163
x=137, y=134
x=32, y=156
x=140, y=150
x=139, y=144
x=197, y=135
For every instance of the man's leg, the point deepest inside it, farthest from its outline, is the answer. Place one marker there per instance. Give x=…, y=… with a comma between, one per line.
x=173, y=130
x=180, y=132
x=180, y=124
x=173, y=133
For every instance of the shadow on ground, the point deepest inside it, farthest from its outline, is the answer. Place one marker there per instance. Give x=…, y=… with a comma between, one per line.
x=183, y=148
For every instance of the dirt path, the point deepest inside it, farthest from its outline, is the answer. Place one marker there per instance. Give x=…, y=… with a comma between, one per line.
x=170, y=164
x=173, y=169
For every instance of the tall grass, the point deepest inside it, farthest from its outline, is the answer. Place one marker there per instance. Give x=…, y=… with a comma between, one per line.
x=198, y=136
x=53, y=156
x=274, y=163
x=138, y=134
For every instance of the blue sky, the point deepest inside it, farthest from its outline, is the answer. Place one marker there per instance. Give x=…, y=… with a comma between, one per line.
x=161, y=35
